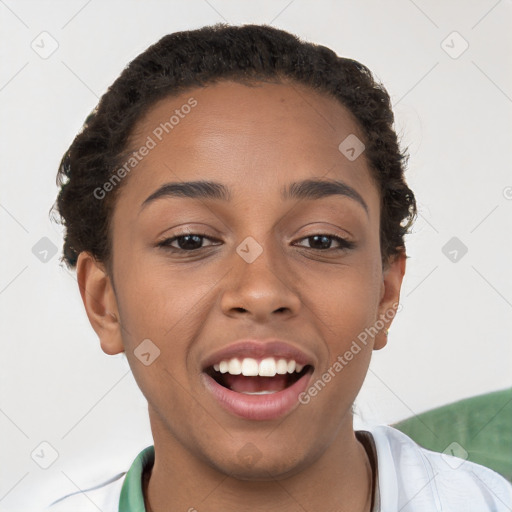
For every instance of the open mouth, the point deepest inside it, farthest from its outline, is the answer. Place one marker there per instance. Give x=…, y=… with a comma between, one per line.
x=252, y=377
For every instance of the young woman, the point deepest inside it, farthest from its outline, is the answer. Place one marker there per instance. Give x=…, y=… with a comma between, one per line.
x=235, y=209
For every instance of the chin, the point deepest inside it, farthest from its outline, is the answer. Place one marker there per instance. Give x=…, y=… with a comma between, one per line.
x=250, y=464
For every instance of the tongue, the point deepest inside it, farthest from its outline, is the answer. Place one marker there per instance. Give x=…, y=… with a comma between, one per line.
x=241, y=384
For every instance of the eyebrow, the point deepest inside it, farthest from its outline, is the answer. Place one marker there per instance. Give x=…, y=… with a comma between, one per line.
x=307, y=189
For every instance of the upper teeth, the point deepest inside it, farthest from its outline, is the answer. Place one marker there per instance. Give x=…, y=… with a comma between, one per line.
x=250, y=367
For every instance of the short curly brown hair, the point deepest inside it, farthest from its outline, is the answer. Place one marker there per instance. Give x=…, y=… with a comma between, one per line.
x=195, y=58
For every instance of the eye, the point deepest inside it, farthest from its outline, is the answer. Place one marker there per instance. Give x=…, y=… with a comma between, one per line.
x=320, y=241
x=186, y=242
x=190, y=242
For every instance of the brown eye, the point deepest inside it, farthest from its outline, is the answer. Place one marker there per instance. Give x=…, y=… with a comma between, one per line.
x=186, y=242
x=322, y=242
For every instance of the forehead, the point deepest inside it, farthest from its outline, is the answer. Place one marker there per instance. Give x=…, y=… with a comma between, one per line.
x=248, y=137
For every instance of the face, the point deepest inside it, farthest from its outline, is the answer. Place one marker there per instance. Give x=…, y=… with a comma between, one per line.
x=196, y=275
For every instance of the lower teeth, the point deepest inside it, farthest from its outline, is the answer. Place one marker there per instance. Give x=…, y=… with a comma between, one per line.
x=258, y=392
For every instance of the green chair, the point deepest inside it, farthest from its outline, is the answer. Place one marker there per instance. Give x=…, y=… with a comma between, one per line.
x=481, y=425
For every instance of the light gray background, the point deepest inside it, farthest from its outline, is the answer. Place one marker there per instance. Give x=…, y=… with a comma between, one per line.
x=450, y=341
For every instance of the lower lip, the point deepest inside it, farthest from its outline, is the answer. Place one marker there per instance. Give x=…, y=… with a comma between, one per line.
x=258, y=407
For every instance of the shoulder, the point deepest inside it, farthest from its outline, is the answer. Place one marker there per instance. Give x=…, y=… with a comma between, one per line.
x=414, y=478
x=122, y=491
x=103, y=496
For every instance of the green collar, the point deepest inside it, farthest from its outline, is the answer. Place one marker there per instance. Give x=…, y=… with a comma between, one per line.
x=132, y=499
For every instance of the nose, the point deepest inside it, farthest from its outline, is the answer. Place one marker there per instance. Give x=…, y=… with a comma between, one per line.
x=260, y=287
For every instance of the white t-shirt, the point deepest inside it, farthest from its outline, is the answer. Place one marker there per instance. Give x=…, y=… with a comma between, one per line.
x=409, y=478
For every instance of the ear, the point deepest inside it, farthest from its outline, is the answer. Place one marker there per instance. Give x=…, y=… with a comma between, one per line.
x=100, y=302
x=393, y=275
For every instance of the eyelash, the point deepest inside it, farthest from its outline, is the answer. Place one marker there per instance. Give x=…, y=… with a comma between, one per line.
x=165, y=244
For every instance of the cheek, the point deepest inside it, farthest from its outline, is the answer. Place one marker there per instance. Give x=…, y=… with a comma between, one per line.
x=154, y=300
x=348, y=336
x=348, y=308
x=166, y=307
x=348, y=298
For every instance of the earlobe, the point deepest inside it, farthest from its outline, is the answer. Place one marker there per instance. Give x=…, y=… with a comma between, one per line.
x=99, y=302
x=390, y=297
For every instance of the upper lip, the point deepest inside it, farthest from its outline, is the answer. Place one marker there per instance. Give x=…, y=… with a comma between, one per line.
x=259, y=349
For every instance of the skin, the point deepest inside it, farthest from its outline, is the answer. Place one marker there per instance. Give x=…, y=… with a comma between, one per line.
x=254, y=140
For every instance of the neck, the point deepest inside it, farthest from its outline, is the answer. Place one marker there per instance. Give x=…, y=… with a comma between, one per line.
x=339, y=479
